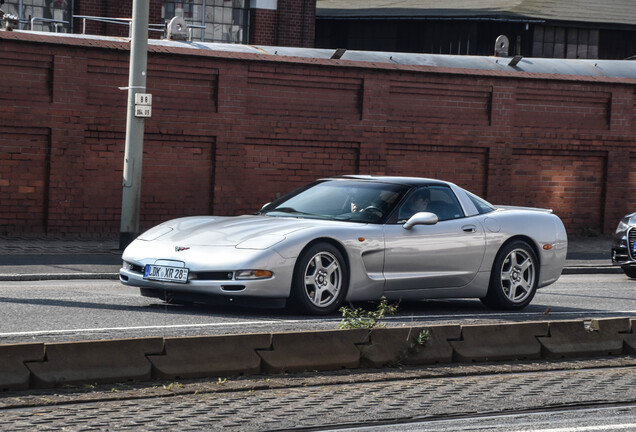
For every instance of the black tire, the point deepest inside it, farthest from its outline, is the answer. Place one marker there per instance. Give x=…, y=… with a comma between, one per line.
x=514, y=277
x=320, y=281
x=629, y=271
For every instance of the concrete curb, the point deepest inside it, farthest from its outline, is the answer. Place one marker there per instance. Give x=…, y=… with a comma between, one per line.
x=94, y=362
x=205, y=356
x=516, y=341
x=574, y=339
x=14, y=374
x=319, y=350
x=592, y=270
x=45, y=365
x=390, y=346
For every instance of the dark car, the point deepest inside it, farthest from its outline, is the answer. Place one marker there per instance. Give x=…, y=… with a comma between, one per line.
x=624, y=245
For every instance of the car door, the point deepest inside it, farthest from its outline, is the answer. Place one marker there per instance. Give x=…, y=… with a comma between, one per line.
x=444, y=255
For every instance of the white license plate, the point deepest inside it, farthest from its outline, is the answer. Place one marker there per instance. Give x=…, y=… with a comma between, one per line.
x=165, y=273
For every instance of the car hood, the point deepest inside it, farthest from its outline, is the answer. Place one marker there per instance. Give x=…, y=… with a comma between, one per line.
x=249, y=232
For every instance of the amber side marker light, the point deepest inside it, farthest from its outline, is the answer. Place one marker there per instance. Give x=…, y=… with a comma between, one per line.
x=547, y=246
x=253, y=274
x=361, y=239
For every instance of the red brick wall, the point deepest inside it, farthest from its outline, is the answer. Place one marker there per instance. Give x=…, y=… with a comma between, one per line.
x=571, y=184
x=230, y=132
x=24, y=159
x=296, y=20
x=292, y=24
x=263, y=27
x=466, y=166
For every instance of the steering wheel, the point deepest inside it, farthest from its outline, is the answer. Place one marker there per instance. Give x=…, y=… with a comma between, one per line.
x=373, y=209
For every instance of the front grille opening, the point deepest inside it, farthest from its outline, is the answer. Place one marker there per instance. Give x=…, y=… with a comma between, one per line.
x=620, y=255
x=212, y=276
x=233, y=288
x=134, y=268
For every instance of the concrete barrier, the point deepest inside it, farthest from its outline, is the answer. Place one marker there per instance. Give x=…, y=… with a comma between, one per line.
x=95, y=362
x=40, y=365
x=208, y=356
x=575, y=339
x=438, y=348
x=320, y=350
x=492, y=342
x=14, y=375
x=391, y=346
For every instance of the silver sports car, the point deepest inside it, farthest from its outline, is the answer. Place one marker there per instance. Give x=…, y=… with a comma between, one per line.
x=624, y=245
x=354, y=238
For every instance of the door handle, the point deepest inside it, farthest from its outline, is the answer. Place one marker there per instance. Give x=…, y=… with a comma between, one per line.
x=469, y=228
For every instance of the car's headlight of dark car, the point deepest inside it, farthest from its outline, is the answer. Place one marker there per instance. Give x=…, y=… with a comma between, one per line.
x=253, y=274
x=623, y=226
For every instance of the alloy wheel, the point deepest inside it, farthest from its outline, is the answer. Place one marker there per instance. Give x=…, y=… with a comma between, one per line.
x=323, y=279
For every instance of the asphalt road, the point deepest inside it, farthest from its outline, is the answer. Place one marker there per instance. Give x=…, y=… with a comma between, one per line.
x=52, y=311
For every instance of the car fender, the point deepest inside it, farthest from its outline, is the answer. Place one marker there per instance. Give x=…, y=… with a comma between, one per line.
x=363, y=248
x=543, y=230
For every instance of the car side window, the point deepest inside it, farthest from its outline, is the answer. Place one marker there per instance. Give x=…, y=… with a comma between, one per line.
x=439, y=200
x=482, y=206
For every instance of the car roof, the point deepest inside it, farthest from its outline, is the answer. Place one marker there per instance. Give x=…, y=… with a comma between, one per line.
x=407, y=181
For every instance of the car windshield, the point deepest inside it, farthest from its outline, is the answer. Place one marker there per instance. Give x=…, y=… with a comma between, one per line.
x=347, y=200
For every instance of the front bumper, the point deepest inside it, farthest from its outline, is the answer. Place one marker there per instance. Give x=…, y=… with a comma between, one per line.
x=217, y=300
x=277, y=286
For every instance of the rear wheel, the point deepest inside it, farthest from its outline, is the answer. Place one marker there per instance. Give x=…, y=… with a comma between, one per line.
x=320, y=281
x=629, y=271
x=514, y=277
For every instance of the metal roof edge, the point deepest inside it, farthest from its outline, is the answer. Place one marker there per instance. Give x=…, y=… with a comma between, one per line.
x=615, y=71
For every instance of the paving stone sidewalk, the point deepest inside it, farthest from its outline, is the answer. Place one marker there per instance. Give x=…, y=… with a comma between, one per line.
x=308, y=401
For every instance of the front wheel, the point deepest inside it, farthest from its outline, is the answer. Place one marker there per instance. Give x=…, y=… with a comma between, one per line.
x=514, y=277
x=320, y=280
x=629, y=271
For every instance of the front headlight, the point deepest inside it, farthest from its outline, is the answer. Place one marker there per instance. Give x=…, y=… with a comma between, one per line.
x=622, y=226
x=253, y=274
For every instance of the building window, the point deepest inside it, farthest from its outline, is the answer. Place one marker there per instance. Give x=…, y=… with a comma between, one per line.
x=50, y=15
x=211, y=20
x=565, y=42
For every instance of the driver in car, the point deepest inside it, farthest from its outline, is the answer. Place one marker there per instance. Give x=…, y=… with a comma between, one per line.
x=418, y=202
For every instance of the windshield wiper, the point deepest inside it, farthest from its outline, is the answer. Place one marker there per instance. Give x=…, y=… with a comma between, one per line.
x=288, y=210
x=284, y=210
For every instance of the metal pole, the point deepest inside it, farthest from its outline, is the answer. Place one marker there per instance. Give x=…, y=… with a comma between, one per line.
x=131, y=190
x=204, y=7
x=21, y=14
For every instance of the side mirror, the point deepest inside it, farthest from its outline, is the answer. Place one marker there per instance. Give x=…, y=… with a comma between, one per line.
x=422, y=218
